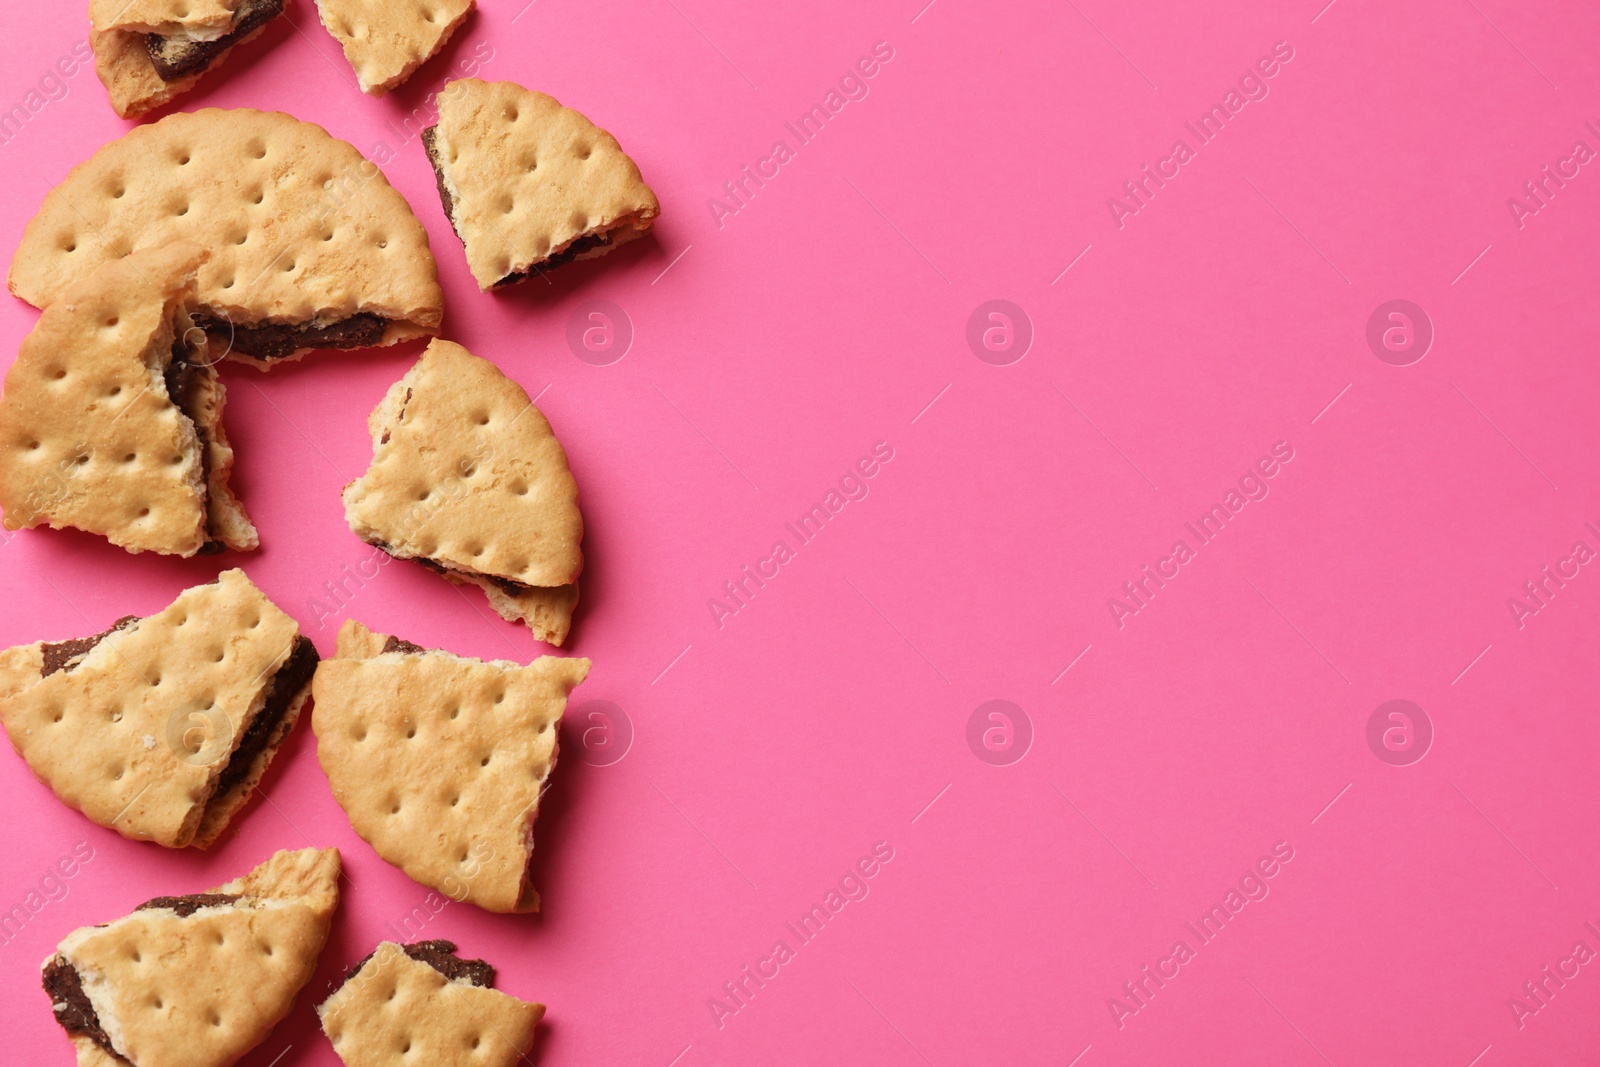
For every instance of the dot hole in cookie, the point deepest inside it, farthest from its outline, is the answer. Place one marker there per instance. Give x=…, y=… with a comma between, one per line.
x=183, y=160
x=328, y=236
x=241, y=239
x=411, y=733
x=259, y=150
x=358, y=735
x=455, y=800
x=137, y=958
x=455, y=713
x=259, y=196
x=130, y=457
x=383, y=243
x=519, y=487
x=228, y=284
x=112, y=321
x=428, y=16
x=143, y=512
x=484, y=762
x=115, y=390
x=116, y=716
x=216, y=1020
x=118, y=193
x=511, y=114
x=476, y=1041
x=499, y=698
x=255, y=622
x=59, y=374
x=117, y=777
x=184, y=210
x=70, y=246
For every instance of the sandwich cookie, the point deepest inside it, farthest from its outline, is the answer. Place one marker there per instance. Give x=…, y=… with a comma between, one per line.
x=111, y=418
x=160, y=728
x=195, y=980
x=440, y=760
x=468, y=480
x=421, y=1003
x=147, y=52
x=310, y=246
x=529, y=184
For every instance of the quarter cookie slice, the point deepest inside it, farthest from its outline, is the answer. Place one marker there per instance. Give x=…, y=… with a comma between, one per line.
x=196, y=980
x=310, y=246
x=440, y=760
x=386, y=40
x=421, y=1003
x=111, y=419
x=468, y=480
x=160, y=728
x=529, y=184
x=148, y=52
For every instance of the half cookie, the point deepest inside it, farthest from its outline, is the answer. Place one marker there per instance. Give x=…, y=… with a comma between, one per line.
x=467, y=480
x=310, y=246
x=147, y=52
x=421, y=1003
x=386, y=40
x=196, y=980
x=440, y=760
x=111, y=420
x=160, y=728
x=529, y=184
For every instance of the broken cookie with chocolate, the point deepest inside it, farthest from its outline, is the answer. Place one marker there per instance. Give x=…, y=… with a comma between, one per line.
x=468, y=480
x=440, y=760
x=198, y=979
x=111, y=418
x=161, y=727
x=530, y=185
x=149, y=51
x=424, y=999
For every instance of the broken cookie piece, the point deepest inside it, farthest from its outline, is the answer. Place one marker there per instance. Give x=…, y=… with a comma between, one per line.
x=528, y=184
x=468, y=480
x=311, y=248
x=424, y=999
x=440, y=760
x=384, y=41
x=151, y=51
x=111, y=418
x=160, y=728
x=198, y=979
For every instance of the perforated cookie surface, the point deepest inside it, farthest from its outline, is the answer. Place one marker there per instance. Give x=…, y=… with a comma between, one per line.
x=386, y=40
x=136, y=734
x=527, y=177
x=440, y=760
x=88, y=435
x=396, y=1011
x=466, y=472
x=201, y=989
x=299, y=225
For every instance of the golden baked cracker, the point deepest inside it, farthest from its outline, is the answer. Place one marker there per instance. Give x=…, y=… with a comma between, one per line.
x=310, y=246
x=147, y=52
x=196, y=980
x=419, y=1004
x=103, y=426
x=384, y=41
x=468, y=479
x=161, y=727
x=529, y=184
x=440, y=760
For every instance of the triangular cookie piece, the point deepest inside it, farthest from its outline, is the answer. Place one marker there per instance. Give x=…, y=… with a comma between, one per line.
x=440, y=760
x=384, y=41
x=311, y=248
x=149, y=51
x=196, y=980
x=111, y=419
x=436, y=1007
x=468, y=480
x=160, y=728
x=529, y=184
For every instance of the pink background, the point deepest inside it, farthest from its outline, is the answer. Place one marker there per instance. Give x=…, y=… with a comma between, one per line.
x=1227, y=715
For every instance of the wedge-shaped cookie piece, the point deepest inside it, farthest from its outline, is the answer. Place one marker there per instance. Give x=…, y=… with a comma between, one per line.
x=440, y=760
x=111, y=419
x=529, y=184
x=196, y=980
x=310, y=246
x=160, y=728
x=386, y=40
x=150, y=51
x=421, y=1003
x=468, y=480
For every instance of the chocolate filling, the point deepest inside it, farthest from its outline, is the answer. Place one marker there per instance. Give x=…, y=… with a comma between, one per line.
x=179, y=57
x=509, y=586
x=272, y=340
x=281, y=691
x=71, y=1004
x=549, y=263
x=65, y=655
x=561, y=258
x=184, y=382
x=440, y=955
x=400, y=644
x=190, y=903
